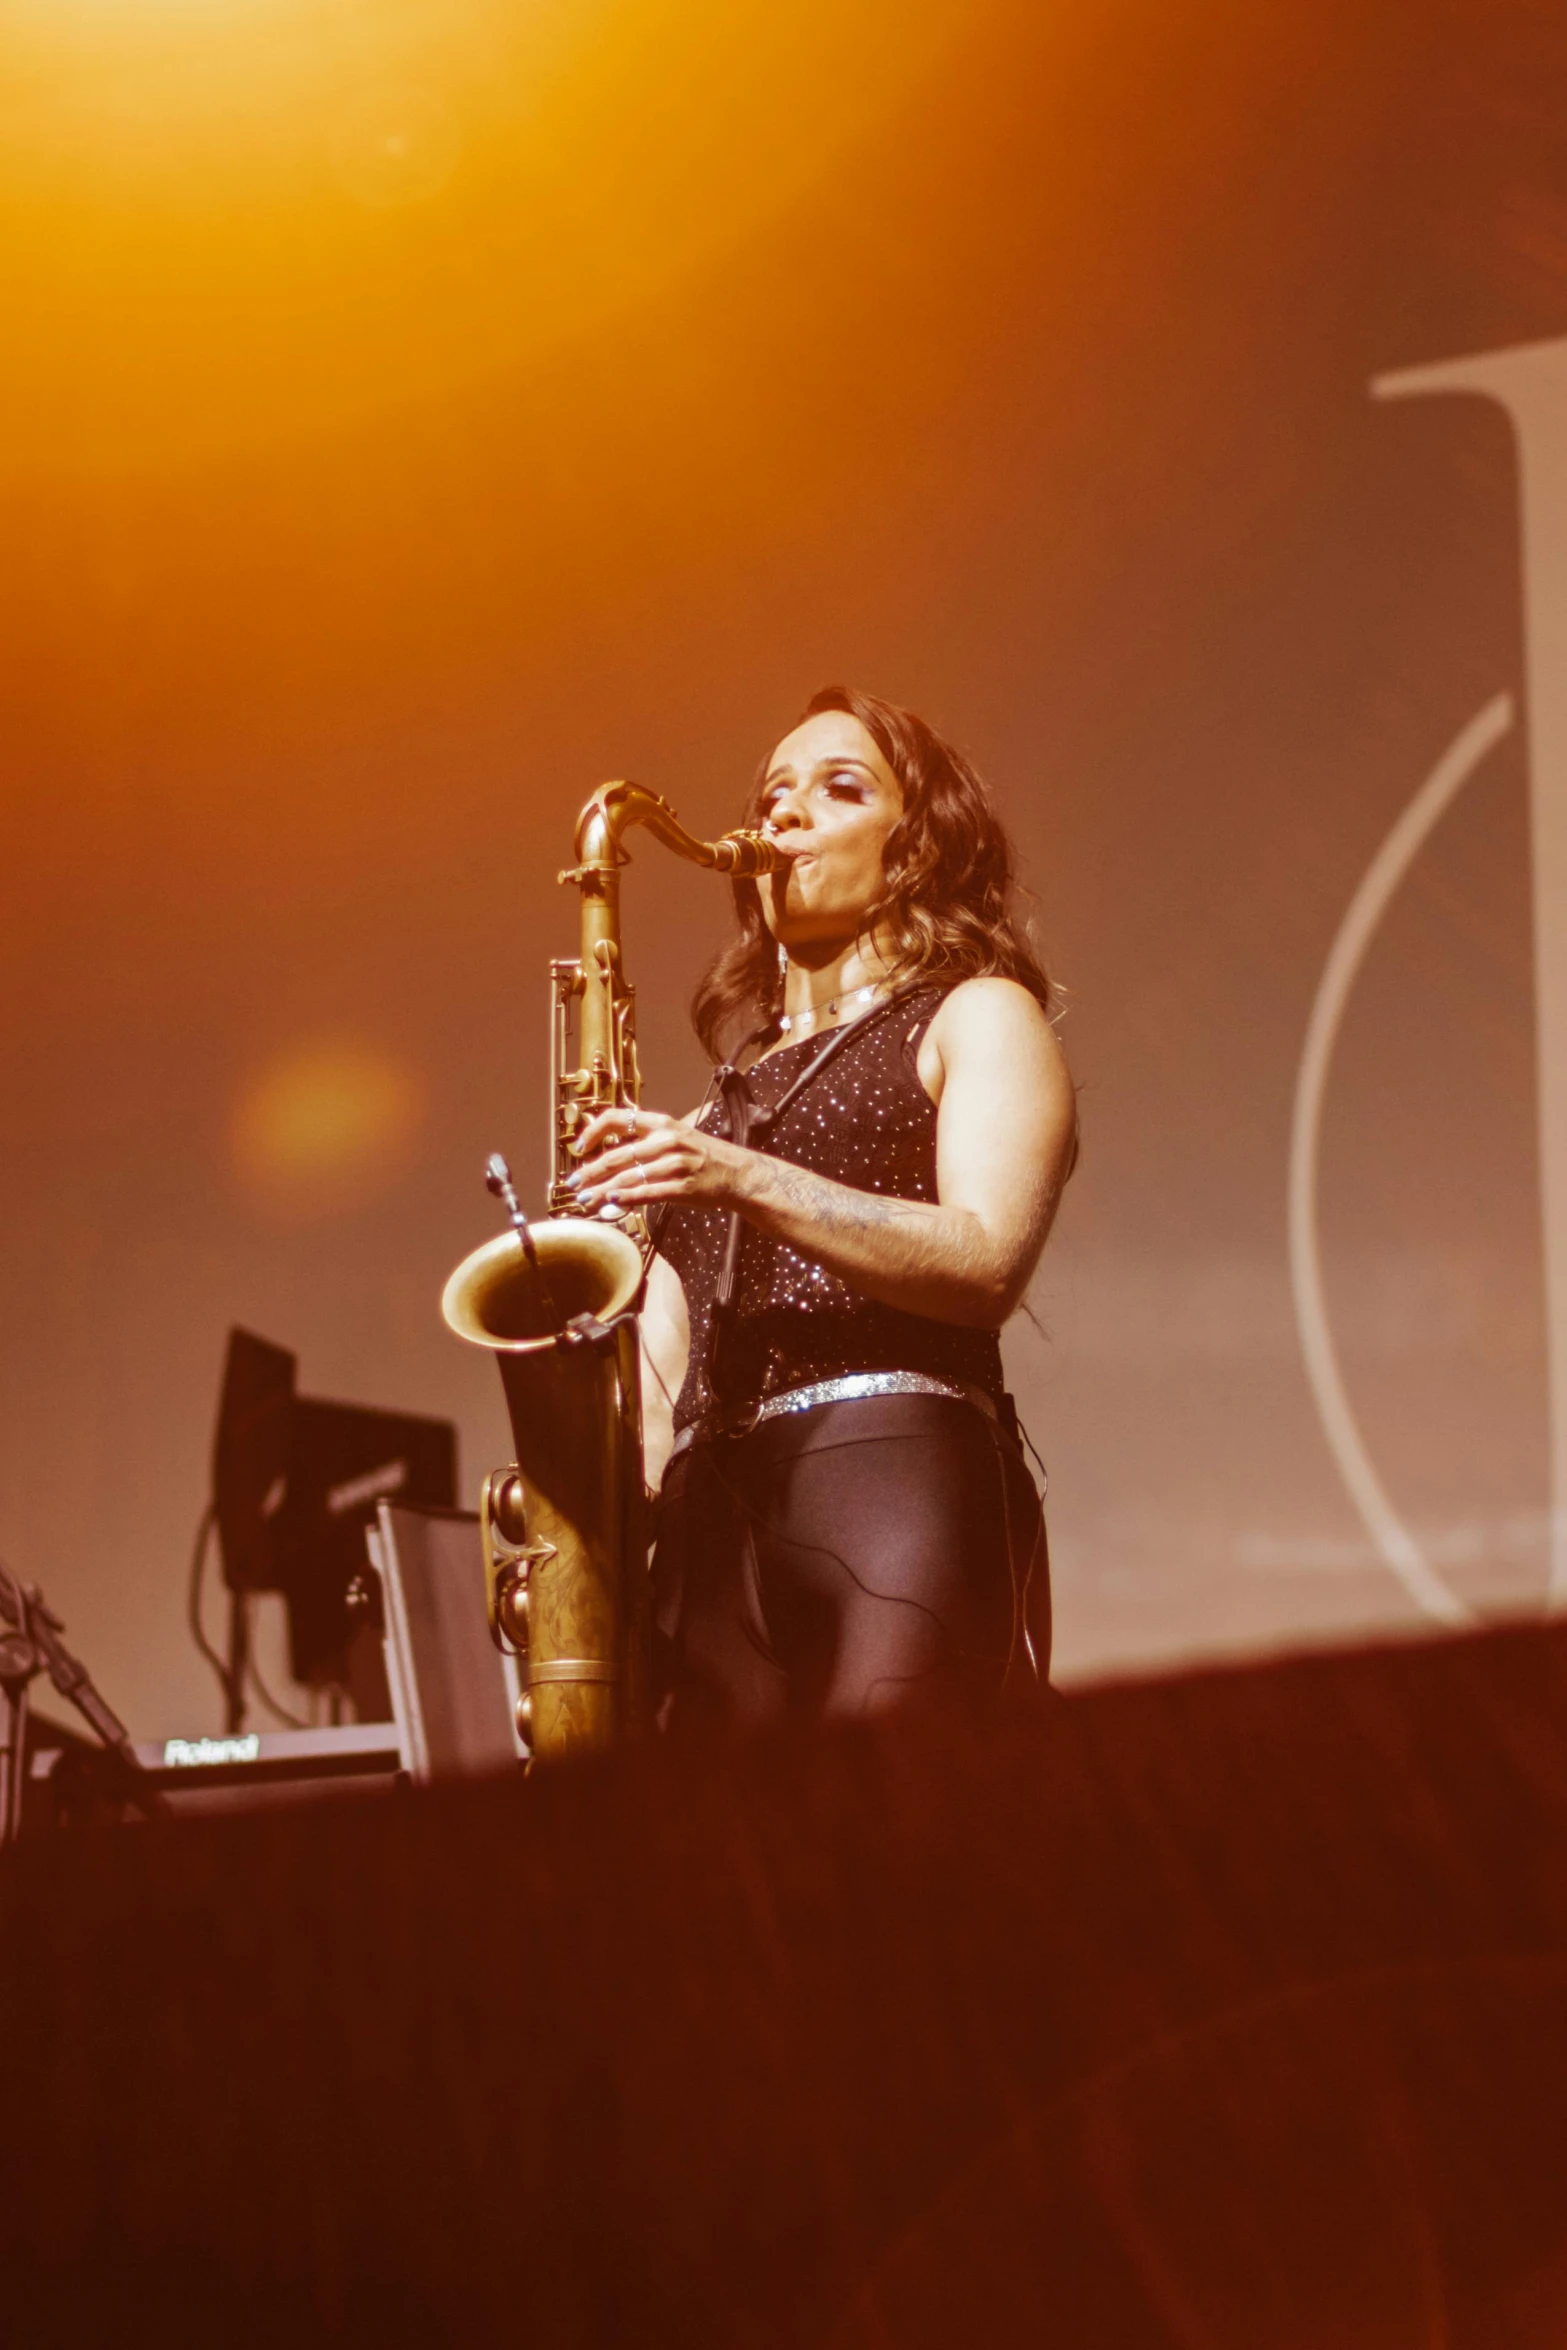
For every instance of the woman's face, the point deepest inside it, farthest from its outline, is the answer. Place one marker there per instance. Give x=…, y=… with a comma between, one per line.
x=830, y=801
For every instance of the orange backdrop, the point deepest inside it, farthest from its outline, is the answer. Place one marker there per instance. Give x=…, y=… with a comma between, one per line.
x=414, y=412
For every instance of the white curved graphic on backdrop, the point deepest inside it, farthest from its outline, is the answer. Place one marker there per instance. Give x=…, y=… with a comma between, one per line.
x=1382, y=877
x=1528, y=382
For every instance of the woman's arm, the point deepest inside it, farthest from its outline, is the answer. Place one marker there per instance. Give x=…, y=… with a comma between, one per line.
x=1004, y=1130
x=666, y=1344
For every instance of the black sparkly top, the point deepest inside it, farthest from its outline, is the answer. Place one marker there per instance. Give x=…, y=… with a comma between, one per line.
x=865, y=1120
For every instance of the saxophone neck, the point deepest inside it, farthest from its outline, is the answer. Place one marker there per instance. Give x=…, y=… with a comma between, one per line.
x=616, y=807
x=597, y=1069
x=610, y=815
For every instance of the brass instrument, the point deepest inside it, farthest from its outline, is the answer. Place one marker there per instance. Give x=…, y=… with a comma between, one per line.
x=564, y=1525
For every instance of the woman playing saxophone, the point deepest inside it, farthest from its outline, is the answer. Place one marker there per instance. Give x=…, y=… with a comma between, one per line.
x=846, y=1522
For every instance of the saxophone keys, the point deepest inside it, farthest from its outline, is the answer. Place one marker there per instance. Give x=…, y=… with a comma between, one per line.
x=509, y=1510
x=511, y=1611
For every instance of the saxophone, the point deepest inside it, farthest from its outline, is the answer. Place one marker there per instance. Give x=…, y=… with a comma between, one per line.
x=564, y=1525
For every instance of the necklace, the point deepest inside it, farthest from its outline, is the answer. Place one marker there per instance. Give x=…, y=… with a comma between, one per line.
x=788, y=1021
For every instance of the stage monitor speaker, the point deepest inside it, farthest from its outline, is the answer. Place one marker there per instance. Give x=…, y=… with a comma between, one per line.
x=296, y=1481
x=343, y=1460
x=454, y=1695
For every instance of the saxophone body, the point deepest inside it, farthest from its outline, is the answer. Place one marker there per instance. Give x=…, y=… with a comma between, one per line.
x=565, y=1524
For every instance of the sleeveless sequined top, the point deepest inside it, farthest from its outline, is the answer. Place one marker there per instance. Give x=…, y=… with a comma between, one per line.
x=865, y=1120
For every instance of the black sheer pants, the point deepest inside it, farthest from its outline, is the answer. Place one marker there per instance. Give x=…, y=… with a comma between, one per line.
x=847, y=1560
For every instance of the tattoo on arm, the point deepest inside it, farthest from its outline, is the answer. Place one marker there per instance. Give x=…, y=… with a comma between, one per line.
x=834, y=1205
x=865, y=1237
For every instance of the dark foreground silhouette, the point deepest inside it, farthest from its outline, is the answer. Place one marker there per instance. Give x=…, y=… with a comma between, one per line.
x=1225, y=2011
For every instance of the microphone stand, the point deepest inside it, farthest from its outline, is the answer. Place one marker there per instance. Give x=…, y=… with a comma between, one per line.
x=30, y=1644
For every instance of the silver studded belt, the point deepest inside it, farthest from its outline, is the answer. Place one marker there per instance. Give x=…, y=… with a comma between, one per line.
x=849, y=1389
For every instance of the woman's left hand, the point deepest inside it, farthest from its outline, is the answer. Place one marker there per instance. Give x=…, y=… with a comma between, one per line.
x=630, y=1158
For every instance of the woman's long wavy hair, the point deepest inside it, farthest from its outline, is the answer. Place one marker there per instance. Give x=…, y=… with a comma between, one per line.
x=948, y=908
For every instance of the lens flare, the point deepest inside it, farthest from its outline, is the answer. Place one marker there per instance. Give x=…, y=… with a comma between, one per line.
x=323, y=1126
x=394, y=145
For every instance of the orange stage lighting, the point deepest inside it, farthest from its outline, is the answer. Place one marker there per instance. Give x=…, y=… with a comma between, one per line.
x=225, y=223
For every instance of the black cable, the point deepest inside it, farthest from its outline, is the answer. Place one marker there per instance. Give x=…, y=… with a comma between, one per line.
x=663, y=1386
x=198, y=1565
x=763, y=1646
x=1020, y=1591
x=278, y=1712
x=825, y=1550
x=1039, y=1541
x=956, y=1648
x=1039, y=1457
